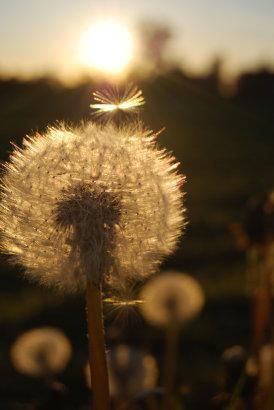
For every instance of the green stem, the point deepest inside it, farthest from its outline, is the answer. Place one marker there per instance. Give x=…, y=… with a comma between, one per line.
x=237, y=392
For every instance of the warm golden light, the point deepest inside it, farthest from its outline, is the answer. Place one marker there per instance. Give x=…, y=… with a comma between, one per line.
x=107, y=46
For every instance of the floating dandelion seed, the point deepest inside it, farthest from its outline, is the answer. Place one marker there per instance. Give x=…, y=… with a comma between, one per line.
x=171, y=298
x=120, y=302
x=93, y=201
x=131, y=371
x=123, y=304
x=124, y=309
x=109, y=101
x=41, y=352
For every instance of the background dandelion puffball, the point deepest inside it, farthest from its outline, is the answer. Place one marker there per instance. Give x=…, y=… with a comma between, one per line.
x=41, y=352
x=101, y=201
x=171, y=298
x=130, y=370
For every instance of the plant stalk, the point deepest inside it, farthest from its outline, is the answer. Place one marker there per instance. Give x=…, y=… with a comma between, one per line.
x=170, y=366
x=97, y=352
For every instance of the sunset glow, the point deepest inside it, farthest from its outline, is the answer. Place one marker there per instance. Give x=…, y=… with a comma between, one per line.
x=107, y=46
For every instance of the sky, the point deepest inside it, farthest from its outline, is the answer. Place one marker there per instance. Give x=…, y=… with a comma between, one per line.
x=39, y=36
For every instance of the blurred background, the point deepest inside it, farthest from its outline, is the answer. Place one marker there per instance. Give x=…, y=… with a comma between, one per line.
x=206, y=70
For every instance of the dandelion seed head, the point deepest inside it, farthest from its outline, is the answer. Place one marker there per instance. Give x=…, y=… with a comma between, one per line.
x=171, y=298
x=101, y=201
x=41, y=352
x=251, y=366
x=262, y=366
x=131, y=371
x=234, y=354
x=235, y=359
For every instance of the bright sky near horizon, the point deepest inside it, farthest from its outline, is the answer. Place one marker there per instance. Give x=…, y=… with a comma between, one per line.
x=44, y=36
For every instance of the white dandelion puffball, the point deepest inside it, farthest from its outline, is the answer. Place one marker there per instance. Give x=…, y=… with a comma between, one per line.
x=234, y=355
x=130, y=370
x=101, y=201
x=41, y=352
x=171, y=298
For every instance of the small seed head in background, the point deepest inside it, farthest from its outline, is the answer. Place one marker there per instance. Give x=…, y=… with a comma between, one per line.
x=41, y=352
x=131, y=371
x=171, y=298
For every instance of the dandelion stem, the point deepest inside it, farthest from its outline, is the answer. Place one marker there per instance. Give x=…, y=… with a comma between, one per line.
x=170, y=365
x=97, y=353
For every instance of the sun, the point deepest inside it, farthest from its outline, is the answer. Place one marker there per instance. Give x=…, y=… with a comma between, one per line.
x=107, y=46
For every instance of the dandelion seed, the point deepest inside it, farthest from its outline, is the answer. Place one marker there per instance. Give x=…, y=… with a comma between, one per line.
x=171, y=298
x=124, y=311
x=41, y=352
x=119, y=302
x=123, y=304
x=108, y=101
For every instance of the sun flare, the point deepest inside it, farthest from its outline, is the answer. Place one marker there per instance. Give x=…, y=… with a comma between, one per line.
x=107, y=46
